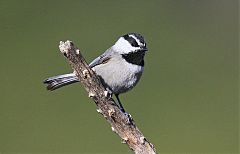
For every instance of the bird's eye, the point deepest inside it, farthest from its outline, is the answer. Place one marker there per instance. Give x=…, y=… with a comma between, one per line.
x=131, y=40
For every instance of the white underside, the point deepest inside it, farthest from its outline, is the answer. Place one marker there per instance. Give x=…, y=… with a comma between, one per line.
x=119, y=75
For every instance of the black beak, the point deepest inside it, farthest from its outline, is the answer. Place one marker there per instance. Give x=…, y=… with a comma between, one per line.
x=144, y=49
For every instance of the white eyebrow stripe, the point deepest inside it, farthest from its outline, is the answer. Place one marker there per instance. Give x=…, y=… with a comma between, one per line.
x=139, y=43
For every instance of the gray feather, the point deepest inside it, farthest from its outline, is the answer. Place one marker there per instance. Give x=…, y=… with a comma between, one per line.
x=60, y=81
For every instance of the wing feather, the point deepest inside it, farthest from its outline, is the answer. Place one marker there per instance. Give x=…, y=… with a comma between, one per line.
x=104, y=58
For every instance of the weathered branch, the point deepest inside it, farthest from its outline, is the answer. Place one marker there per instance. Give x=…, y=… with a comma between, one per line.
x=121, y=123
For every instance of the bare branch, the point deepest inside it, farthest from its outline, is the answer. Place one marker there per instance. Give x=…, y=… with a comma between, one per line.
x=121, y=123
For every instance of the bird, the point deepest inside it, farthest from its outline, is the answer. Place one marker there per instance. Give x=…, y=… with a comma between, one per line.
x=119, y=68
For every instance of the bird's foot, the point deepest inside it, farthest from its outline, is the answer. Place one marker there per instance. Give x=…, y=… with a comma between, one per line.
x=108, y=93
x=129, y=118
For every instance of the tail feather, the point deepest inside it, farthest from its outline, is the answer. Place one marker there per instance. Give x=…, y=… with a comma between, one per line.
x=60, y=81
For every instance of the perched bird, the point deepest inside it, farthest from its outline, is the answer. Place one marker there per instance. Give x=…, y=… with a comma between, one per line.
x=120, y=67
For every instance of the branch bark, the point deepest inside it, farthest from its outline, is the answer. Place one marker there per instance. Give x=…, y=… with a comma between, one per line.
x=121, y=123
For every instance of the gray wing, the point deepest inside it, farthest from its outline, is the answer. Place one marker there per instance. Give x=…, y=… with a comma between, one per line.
x=104, y=58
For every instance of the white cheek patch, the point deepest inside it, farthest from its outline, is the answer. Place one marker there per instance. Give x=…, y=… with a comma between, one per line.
x=123, y=46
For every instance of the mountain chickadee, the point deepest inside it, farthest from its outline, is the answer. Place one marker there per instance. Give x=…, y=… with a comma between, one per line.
x=119, y=67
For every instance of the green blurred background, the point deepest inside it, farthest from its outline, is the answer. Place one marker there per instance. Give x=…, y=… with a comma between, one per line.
x=186, y=102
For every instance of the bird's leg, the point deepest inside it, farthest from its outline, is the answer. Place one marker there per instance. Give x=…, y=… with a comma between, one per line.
x=120, y=104
x=130, y=119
